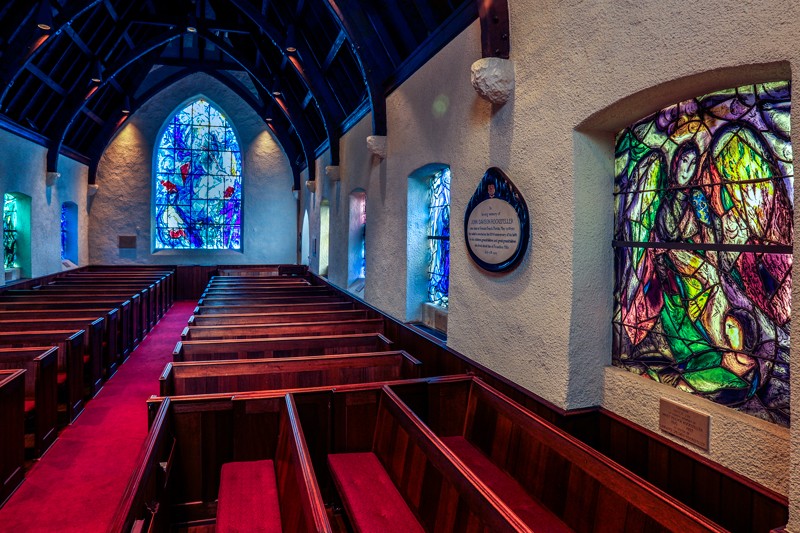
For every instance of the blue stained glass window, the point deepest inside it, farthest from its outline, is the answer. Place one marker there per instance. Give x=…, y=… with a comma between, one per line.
x=10, y=230
x=64, y=232
x=439, y=238
x=198, y=182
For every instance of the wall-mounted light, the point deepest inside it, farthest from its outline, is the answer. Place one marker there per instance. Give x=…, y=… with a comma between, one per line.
x=268, y=119
x=44, y=16
x=126, y=107
x=97, y=71
x=191, y=26
x=291, y=49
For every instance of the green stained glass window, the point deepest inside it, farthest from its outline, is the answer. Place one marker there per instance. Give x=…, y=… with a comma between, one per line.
x=703, y=248
x=10, y=230
x=198, y=182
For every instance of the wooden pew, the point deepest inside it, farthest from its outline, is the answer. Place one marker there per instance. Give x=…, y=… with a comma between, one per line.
x=186, y=458
x=41, y=387
x=151, y=311
x=12, y=437
x=94, y=353
x=280, y=347
x=167, y=279
x=235, y=291
x=537, y=467
x=267, y=300
x=157, y=286
x=277, y=318
x=409, y=481
x=70, y=361
x=292, y=373
x=129, y=311
x=112, y=336
x=299, y=329
x=272, y=308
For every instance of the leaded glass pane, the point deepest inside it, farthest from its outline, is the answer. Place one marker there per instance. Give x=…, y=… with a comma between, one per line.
x=439, y=238
x=64, y=232
x=703, y=237
x=10, y=230
x=198, y=181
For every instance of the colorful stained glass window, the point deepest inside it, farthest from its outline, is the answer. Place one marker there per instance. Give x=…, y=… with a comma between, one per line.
x=439, y=238
x=64, y=232
x=361, y=266
x=10, y=230
x=703, y=248
x=198, y=182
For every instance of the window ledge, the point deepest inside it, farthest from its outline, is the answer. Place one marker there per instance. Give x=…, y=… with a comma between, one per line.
x=434, y=317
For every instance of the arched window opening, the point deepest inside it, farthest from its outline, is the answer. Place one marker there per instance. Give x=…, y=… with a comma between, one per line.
x=69, y=234
x=428, y=248
x=703, y=248
x=305, y=241
x=198, y=182
x=324, y=236
x=439, y=238
x=357, y=245
x=17, y=236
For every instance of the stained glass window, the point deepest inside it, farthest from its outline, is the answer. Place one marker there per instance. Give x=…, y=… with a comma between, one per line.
x=361, y=265
x=198, y=181
x=64, y=232
x=439, y=238
x=703, y=248
x=10, y=230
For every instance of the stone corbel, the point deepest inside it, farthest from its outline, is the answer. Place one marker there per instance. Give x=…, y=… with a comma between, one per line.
x=51, y=178
x=311, y=185
x=493, y=79
x=296, y=194
x=376, y=144
x=93, y=188
x=332, y=172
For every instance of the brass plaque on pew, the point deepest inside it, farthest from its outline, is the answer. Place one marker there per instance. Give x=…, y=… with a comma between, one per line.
x=684, y=423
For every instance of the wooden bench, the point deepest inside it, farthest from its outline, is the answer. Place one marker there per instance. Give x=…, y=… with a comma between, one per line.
x=165, y=280
x=539, y=470
x=41, y=388
x=280, y=347
x=409, y=481
x=267, y=300
x=12, y=437
x=276, y=318
x=300, y=329
x=129, y=311
x=94, y=350
x=234, y=291
x=292, y=373
x=147, y=293
x=70, y=361
x=190, y=472
x=112, y=336
x=272, y=308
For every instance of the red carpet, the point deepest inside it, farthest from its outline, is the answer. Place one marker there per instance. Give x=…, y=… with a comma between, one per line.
x=78, y=483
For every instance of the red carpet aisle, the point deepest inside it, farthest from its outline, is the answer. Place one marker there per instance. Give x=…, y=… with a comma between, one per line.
x=77, y=485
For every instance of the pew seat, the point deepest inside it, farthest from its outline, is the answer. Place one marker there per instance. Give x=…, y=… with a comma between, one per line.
x=507, y=488
x=248, y=498
x=370, y=498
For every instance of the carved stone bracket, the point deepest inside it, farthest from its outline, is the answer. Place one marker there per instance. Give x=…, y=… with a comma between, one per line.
x=376, y=144
x=51, y=178
x=311, y=185
x=332, y=172
x=493, y=79
x=93, y=188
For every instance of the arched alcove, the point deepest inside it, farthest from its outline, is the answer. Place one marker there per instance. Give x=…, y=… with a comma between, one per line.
x=69, y=232
x=356, y=245
x=305, y=248
x=17, y=235
x=324, y=236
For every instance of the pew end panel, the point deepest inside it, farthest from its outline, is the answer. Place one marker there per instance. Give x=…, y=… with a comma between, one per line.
x=41, y=385
x=12, y=438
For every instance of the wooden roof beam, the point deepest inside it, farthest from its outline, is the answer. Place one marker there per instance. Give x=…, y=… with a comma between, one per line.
x=33, y=69
x=337, y=45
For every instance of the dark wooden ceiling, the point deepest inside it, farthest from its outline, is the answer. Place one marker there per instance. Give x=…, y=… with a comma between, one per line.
x=310, y=68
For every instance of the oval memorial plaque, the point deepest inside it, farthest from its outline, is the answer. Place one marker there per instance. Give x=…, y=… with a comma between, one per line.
x=496, y=225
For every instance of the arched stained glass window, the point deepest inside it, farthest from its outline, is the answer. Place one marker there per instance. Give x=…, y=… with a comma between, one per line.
x=69, y=232
x=198, y=181
x=703, y=248
x=10, y=232
x=439, y=238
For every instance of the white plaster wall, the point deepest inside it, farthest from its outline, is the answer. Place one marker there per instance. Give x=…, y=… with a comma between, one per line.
x=23, y=165
x=583, y=71
x=122, y=205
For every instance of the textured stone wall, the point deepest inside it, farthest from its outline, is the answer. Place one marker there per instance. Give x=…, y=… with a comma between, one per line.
x=583, y=71
x=23, y=165
x=122, y=205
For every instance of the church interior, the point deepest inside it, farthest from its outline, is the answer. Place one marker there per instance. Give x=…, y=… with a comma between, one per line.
x=410, y=265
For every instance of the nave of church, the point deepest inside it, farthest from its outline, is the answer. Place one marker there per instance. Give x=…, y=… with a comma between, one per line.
x=599, y=341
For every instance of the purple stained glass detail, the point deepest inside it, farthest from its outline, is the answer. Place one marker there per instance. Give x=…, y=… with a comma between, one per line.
x=198, y=182
x=703, y=248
